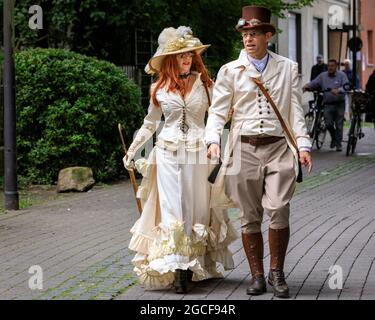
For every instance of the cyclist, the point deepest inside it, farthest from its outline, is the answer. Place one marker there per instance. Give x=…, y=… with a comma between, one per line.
x=318, y=68
x=332, y=83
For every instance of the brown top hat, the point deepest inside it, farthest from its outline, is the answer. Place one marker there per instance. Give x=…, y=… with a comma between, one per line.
x=254, y=17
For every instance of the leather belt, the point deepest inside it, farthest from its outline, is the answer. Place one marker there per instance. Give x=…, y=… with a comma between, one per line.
x=260, y=141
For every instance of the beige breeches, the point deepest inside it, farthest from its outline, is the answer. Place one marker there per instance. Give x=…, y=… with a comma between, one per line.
x=267, y=181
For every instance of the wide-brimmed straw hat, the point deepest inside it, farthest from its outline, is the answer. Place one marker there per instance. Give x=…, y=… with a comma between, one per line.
x=255, y=17
x=174, y=41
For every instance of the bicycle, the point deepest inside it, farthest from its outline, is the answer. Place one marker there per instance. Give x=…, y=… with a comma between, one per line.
x=315, y=122
x=360, y=101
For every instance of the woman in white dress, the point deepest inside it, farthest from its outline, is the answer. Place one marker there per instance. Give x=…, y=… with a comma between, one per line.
x=178, y=235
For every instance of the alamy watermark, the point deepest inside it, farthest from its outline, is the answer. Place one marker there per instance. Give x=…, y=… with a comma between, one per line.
x=335, y=17
x=36, y=280
x=36, y=20
x=336, y=279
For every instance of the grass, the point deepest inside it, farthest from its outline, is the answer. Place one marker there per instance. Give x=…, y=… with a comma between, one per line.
x=33, y=195
x=364, y=125
x=102, y=280
x=39, y=194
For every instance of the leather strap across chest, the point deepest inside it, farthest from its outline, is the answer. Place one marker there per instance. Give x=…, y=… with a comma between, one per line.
x=278, y=114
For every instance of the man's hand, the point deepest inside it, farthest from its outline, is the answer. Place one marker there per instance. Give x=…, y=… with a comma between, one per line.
x=305, y=159
x=335, y=92
x=213, y=151
x=305, y=88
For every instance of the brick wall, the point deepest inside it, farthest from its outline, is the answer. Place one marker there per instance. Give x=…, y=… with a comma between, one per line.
x=367, y=11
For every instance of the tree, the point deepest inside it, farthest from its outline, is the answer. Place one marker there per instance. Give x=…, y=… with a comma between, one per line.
x=71, y=119
x=105, y=28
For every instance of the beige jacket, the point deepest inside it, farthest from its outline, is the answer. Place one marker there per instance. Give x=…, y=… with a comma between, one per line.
x=235, y=89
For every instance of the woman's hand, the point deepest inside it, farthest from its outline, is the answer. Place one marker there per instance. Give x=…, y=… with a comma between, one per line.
x=128, y=161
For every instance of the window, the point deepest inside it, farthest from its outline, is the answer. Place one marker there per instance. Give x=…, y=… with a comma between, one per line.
x=370, y=47
x=295, y=38
x=317, y=38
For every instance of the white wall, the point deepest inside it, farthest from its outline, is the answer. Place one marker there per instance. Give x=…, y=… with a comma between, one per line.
x=320, y=10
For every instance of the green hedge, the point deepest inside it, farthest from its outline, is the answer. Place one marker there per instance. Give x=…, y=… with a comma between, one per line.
x=68, y=107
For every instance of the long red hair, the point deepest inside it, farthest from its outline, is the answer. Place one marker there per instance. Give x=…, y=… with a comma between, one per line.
x=169, y=76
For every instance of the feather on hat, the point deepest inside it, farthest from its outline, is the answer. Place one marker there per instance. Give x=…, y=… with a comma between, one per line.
x=174, y=41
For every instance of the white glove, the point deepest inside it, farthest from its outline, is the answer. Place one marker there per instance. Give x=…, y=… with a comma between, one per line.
x=148, y=128
x=142, y=136
x=128, y=161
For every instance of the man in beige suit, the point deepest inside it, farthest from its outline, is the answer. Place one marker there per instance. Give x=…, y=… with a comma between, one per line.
x=268, y=162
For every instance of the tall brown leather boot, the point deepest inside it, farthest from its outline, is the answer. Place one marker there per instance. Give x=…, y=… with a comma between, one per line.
x=278, y=243
x=253, y=245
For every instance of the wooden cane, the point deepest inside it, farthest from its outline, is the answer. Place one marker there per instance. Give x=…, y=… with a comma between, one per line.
x=131, y=171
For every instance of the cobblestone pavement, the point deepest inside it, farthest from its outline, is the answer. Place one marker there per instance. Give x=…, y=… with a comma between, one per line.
x=81, y=242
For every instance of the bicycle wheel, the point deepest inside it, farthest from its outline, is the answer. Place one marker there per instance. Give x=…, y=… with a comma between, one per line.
x=357, y=135
x=310, y=122
x=320, y=138
x=351, y=137
x=354, y=144
x=349, y=146
x=321, y=132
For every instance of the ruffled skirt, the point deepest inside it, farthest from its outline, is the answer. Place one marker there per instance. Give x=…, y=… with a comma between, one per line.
x=178, y=229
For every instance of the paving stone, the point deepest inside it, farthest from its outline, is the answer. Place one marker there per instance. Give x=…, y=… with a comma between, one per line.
x=81, y=241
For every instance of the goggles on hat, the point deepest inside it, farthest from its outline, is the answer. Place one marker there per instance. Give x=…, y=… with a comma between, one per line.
x=253, y=22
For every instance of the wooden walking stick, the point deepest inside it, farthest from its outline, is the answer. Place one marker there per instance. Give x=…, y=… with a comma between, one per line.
x=131, y=171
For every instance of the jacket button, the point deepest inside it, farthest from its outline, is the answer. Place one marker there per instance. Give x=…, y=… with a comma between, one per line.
x=269, y=112
x=262, y=121
x=261, y=126
x=260, y=112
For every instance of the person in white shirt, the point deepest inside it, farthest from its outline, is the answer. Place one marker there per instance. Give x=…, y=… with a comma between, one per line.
x=177, y=231
x=265, y=178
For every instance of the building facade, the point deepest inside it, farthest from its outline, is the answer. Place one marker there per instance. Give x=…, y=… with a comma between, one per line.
x=314, y=30
x=367, y=23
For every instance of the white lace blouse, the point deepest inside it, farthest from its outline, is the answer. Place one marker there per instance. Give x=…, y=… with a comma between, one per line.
x=183, y=118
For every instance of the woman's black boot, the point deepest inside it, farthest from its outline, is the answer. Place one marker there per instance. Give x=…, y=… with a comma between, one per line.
x=181, y=281
x=189, y=275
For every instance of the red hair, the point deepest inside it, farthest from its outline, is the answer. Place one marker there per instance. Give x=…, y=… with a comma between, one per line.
x=169, y=76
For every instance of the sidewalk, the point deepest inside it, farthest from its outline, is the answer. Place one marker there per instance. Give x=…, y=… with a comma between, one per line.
x=81, y=242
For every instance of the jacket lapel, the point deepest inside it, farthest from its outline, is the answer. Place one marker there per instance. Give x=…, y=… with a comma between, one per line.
x=272, y=69
x=244, y=63
x=252, y=72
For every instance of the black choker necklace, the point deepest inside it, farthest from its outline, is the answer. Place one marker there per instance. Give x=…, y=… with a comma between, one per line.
x=185, y=75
